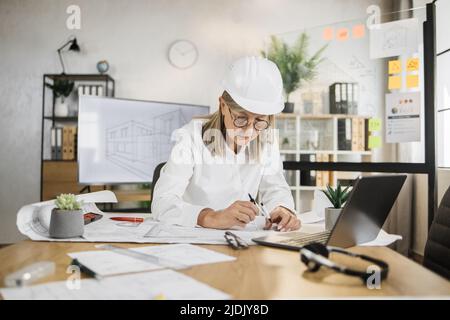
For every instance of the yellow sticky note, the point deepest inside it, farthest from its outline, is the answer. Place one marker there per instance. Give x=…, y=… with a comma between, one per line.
x=412, y=64
x=374, y=142
x=395, y=66
x=395, y=82
x=412, y=81
x=374, y=124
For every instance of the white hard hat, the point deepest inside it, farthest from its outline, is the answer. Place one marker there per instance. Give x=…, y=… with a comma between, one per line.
x=255, y=84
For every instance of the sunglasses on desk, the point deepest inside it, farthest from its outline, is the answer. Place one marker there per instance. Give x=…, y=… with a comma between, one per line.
x=234, y=241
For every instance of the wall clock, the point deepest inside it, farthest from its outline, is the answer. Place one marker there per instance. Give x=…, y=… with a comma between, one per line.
x=183, y=54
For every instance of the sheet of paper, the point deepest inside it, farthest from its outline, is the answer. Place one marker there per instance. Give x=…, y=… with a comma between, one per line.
x=163, y=284
x=394, y=38
x=33, y=220
x=310, y=217
x=403, y=113
x=164, y=233
x=320, y=203
x=383, y=239
x=107, y=263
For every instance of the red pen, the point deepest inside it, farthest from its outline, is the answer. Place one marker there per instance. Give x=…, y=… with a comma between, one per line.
x=128, y=219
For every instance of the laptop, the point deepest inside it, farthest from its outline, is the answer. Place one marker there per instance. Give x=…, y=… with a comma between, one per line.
x=360, y=221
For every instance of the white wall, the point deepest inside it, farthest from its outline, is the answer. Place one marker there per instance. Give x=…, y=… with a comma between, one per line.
x=134, y=37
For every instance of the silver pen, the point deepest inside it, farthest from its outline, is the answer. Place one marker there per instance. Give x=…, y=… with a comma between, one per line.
x=260, y=207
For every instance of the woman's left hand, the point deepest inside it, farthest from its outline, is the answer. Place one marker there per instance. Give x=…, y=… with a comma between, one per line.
x=284, y=218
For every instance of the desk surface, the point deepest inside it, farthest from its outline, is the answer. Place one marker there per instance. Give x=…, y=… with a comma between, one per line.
x=258, y=273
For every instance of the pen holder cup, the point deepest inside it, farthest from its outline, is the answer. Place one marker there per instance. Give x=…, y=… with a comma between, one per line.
x=331, y=216
x=66, y=224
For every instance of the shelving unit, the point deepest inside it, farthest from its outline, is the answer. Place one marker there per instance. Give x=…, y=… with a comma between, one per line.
x=316, y=135
x=61, y=176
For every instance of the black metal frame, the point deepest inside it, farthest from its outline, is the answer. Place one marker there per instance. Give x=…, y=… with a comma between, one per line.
x=429, y=166
x=109, y=82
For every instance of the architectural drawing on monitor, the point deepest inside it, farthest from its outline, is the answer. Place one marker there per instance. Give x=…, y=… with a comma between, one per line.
x=138, y=147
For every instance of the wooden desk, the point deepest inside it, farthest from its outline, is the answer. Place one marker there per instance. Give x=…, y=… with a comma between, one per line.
x=258, y=273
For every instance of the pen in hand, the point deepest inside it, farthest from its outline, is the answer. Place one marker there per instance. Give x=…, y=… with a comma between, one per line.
x=260, y=208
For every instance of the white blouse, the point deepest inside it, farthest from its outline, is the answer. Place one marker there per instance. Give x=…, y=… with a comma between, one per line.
x=194, y=179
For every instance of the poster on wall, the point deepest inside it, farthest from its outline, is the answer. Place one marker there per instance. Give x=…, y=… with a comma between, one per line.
x=403, y=117
x=394, y=38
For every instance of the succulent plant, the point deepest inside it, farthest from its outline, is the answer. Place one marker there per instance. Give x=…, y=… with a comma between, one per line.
x=68, y=201
x=337, y=196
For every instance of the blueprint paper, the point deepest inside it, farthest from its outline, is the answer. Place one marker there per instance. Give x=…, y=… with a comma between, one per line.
x=33, y=220
x=107, y=263
x=165, y=284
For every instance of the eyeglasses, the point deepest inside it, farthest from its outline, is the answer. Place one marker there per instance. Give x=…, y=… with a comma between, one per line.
x=242, y=122
x=234, y=241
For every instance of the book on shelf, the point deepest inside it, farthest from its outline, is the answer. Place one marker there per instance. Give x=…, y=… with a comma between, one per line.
x=64, y=143
x=344, y=134
x=358, y=134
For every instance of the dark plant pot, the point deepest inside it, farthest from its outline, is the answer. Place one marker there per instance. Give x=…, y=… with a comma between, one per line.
x=66, y=224
x=288, y=107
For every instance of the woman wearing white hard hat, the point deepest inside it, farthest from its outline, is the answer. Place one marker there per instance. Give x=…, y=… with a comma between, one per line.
x=220, y=165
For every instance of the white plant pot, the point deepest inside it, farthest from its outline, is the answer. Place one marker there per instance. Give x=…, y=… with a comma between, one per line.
x=61, y=108
x=331, y=216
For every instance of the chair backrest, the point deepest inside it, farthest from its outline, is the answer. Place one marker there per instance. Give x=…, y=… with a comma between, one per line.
x=437, y=249
x=156, y=174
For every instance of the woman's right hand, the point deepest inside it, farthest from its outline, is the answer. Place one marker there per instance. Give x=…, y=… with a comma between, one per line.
x=239, y=213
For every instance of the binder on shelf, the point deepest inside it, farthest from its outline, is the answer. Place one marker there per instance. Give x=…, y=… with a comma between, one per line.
x=344, y=100
x=58, y=143
x=53, y=143
x=344, y=134
x=335, y=98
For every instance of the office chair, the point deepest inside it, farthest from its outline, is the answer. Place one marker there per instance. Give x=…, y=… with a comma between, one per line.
x=156, y=174
x=437, y=249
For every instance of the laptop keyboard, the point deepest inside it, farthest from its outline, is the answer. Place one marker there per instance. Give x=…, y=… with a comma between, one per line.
x=302, y=240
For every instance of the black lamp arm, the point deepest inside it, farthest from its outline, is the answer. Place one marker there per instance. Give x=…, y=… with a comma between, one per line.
x=60, y=56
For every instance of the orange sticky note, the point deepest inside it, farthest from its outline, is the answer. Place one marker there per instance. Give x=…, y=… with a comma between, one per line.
x=328, y=33
x=358, y=31
x=412, y=81
x=342, y=34
x=394, y=82
x=412, y=64
x=395, y=66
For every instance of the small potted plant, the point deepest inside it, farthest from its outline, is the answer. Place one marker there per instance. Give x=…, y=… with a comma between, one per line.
x=66, y=219
x=295, y=65
x=61, y=90
x=338, y=197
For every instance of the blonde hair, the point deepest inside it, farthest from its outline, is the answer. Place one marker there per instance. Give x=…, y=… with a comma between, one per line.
x=215, y=126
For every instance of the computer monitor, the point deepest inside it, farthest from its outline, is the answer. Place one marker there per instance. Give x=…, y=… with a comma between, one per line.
x=123, y=140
